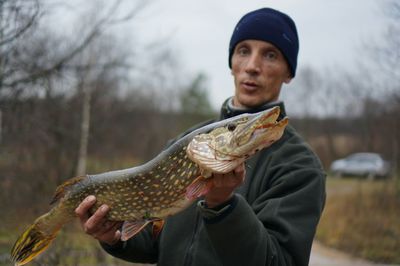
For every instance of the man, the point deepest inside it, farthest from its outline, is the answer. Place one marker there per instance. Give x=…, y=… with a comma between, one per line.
x=263, y=214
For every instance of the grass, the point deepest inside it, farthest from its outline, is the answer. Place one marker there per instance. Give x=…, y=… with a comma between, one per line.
x=71, y=247
x=362, y=218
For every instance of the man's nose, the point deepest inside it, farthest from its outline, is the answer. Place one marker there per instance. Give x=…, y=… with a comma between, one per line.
x=253, y=65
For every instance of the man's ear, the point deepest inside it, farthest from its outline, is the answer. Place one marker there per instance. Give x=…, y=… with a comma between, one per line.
x=288, y=79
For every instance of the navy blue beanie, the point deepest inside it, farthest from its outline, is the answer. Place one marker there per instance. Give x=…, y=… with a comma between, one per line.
x=270, y=25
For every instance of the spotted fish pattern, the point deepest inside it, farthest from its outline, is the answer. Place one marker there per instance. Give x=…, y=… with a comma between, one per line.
x=142, y=193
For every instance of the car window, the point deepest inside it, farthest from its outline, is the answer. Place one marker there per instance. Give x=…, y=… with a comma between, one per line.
x=364, y=158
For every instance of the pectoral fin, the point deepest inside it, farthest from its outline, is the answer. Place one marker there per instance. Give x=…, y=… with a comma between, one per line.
x=157, y=227
x=131, y=228
x=199, y=187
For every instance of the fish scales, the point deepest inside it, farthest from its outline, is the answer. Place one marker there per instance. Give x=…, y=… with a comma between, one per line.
x=159, y=188
x=146, y=191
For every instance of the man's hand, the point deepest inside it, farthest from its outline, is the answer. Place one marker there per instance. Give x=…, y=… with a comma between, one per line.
x=224, y=186
x=97, y=225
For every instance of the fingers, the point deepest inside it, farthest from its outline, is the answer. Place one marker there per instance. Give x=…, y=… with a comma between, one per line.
x=232, y=179
x=224, y=186
x=240, y=170
x=82, y=211
x=107, y=231
x=97, y=224
x=240, y=173
x=114, y=237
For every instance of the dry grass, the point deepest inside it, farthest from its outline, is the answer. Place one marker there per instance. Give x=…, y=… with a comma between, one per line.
x=71, y=247
x=362, y=218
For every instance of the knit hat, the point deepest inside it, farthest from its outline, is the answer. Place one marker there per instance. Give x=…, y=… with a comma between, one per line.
x=270, y=25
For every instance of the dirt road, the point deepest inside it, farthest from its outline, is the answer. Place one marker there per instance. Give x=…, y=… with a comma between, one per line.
x=323, y=256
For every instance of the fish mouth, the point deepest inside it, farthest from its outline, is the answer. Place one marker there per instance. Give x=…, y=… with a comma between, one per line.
x=258, y=124
x=258, y=133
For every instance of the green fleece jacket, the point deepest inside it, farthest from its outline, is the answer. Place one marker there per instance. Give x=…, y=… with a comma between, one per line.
x=271, y=220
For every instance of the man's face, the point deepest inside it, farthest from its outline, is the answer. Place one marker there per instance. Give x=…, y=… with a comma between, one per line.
x=259, y=70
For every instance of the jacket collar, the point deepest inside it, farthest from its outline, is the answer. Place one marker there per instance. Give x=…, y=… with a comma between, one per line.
x=228, y=110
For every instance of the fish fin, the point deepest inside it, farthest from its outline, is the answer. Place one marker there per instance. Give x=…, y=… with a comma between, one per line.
x=63, y=188
x=131, y=228
x=157, y=227
x=199, y=187
x=32, y=242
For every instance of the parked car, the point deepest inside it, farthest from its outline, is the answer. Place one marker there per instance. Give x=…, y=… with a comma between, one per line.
x=366, y=164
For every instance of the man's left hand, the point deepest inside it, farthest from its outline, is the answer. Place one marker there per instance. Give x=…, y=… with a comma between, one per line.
x=224, y=186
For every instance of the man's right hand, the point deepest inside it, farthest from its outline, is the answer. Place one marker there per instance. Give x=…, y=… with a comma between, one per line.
x=97, y=225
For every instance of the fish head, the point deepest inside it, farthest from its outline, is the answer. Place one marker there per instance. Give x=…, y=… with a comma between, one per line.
x=225, y=147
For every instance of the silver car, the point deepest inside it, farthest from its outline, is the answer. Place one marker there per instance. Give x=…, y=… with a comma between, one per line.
x=366, y=164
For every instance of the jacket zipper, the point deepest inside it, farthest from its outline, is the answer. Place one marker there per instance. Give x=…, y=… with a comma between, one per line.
x=189, y=251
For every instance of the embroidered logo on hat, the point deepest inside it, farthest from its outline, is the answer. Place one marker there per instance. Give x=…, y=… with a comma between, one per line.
x=286, y=37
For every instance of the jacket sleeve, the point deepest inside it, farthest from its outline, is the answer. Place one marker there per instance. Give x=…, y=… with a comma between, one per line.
x=276, y=223
x=142, y=248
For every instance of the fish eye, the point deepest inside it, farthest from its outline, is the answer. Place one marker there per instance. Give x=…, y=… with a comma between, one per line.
x=231, y=127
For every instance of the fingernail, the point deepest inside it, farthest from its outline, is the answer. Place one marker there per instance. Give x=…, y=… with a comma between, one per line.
x=104, y=208
x=90, y=198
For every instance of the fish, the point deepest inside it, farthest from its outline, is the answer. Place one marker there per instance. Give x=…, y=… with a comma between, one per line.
x=167, y=184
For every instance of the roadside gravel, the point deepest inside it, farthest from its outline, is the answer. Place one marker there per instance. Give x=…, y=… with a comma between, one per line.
x=323, y=256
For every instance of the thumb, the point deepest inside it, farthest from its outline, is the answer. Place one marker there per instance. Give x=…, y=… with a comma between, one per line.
x=239, y=170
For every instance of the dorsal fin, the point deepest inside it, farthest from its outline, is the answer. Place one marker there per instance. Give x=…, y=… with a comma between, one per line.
x=61, y=189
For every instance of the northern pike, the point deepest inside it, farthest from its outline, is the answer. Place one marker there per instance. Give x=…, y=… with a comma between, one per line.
x=159, y=188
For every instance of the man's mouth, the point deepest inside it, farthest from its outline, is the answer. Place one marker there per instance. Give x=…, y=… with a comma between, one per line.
x=249, y=85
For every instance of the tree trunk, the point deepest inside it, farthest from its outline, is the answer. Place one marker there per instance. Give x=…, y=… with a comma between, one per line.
x=85, y=126
x=1, y=127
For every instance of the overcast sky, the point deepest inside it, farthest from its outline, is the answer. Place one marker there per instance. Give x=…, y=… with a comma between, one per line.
x=331, y=32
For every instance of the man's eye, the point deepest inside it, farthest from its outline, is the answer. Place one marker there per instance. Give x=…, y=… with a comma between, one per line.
x=243, y=51
x=270, y=55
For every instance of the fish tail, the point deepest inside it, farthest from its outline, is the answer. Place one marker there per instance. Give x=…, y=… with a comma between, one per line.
x=38, y=237
x=33, y=241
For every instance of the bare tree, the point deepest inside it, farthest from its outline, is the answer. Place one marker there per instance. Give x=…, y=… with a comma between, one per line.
x=95, y=61
x=387, y=56
x=22, y=66
x=85, y=123
x=1, y=126
x=17, y=18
